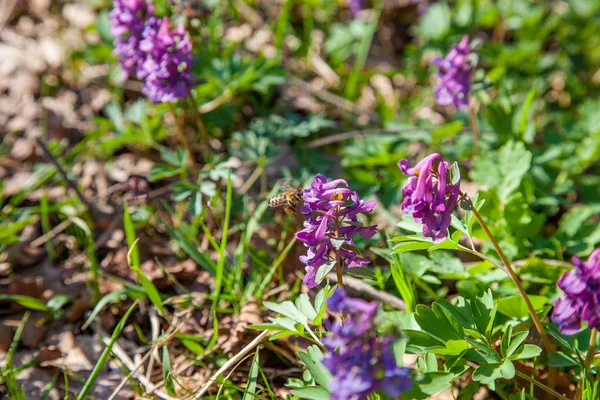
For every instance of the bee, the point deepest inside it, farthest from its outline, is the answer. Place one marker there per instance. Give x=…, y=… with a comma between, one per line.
x=290, y=200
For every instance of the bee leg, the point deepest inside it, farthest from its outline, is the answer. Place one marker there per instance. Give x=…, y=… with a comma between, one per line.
x=289, y=210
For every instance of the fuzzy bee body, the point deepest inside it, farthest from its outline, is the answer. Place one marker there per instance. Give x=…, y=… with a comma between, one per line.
x=290, y=200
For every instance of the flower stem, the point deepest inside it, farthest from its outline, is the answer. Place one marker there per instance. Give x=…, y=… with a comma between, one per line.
x=338, y=259
x=181, y=134
x=536, y=320
x=338, y=270
x=474, y=128
x=200, y=122
x=547, y=389
x=591, y=350
x=589, y=357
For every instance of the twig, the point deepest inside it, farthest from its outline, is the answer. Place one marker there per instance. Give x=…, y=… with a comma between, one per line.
x=130, y=374
x=51, y=233
x=128, y=362
x=215, y=103
x=335, y=100
x=363, y=287
x=231, y=362
x=541, y=386
x=339, y=137
x=255, y=175
x=91, y=207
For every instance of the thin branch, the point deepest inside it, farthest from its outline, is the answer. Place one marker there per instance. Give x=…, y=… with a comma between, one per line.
x=360, y=286
x=231, y=362
x=335, y=100
x=91, y=207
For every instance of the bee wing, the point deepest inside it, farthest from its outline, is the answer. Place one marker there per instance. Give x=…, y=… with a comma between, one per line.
x=285, y=185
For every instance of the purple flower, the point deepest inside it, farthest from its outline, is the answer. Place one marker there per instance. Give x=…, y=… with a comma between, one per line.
x=166, y=68
x=359, y=361
x=581, y=296
x=454, y=76
x=355, y=6
x=127, y=21
x=429, y=196
x=331, y=212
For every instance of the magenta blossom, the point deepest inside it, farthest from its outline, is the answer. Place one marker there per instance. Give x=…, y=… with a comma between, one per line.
x=454, y=76
x=166, y=68
x=429, y=196
x=331, y=222
x=127, y=22
x=359, y=361
x=581, y=296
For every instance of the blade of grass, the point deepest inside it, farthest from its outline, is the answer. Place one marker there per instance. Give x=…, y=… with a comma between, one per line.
x=112, y=297
x=361, y=56
x=167, y=377
x=201, y=259
x=249, y=393
x=87, y=387
x=133, y=257
x=222, y=249
x=27, y=302
x=45, y=219
x=273, y=268
x=401, y=279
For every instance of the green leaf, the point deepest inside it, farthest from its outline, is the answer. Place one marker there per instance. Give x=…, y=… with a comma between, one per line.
x=288, y=309
x=312, y=359
x=324, y=270
x=89, y=384
x=303, y=304
x=431, y=384
x=27, y=302
x=200, y=258
x=515, y=343
x=435, y=23
x=453, y=348
x=446, y=131
x=515, y=307
x=113, y=297
x=488, y=374
x=439, y=323
x=166, y=371
x=311, y=393
x=526, y=351
x=250, y=392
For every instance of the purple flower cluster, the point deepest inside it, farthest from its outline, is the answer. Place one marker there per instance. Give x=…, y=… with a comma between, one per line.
x=146, y=47
x=166, y=69
x=331, y=222
x=581, y=298
x=454, y=76
x=355, y=6
x=429, y=196
x=362, y=364
x=127, y=21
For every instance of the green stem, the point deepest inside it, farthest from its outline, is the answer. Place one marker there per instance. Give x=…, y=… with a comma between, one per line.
x=536, y=320
x=361, y=56
x=591, y=350
x=181, y=134
x=474, y=128
x=541, y=386
x=200, y=123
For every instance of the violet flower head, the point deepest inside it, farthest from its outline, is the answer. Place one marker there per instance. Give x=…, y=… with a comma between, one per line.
x=127, y=22
x=581, y=296
x=166, y=68
x=355, y=6
x=429, y=196
x=359, y=361
x=331, y=211
x=454, y=76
